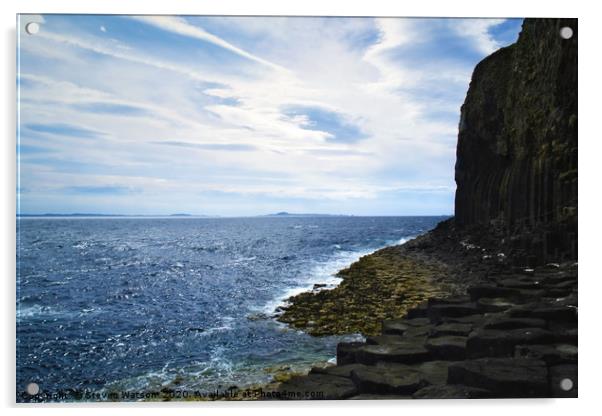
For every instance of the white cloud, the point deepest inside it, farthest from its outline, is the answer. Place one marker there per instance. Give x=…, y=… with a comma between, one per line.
x=209, y=108
x=180, y=26
x=477, y=31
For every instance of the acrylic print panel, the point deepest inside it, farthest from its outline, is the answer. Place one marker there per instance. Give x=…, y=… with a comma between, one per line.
x=292, y=208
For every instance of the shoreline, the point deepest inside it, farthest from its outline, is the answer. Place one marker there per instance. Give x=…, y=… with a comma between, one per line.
x=498, y=329
x=325, y=276
x=378, y=286
x=388, y=282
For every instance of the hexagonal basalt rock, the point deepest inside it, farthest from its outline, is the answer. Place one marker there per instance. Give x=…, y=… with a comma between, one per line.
x=404, y=354
x=435, y=372
x=392, y=340
x=447, y=347
x=451, y=328
x=521, y=283
x=504, y=377
x=552, y=354
x=491, y=291
x=494, y=304
x=379, y=381
x=504, y=322
x=438, y=312
x=549, y=312
x=418, y=312
x=498, y=343
x=451, y=391
x=337, y=370
x=449, y=301
x=417, y=322
x=395, y=327
x=347, y=352
x=316, y=387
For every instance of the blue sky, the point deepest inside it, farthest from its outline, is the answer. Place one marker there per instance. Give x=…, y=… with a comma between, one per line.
x=244, y=115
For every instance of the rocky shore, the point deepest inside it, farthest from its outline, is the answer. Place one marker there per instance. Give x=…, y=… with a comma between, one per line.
x=389, y=282
x=379, y=286
x=511, y=333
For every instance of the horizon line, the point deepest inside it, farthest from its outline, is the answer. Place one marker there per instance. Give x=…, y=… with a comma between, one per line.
x=184, y=215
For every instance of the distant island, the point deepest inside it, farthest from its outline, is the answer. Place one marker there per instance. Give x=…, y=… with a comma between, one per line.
x=288, y=214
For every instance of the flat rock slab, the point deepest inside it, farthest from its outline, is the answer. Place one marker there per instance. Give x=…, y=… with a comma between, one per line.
x=566, y=335
x=394, y=340
x=418, y=331
x=379, y=381
x=447, y=347
x=494, y=304
x=448, y=301
x=438, y=312
x=568, y=300
x=347, y=352
x=501, y=343
x=504, y=377
x=476, y=319
x=553, y=313
x=337, y=370
x=394, y=327
x=434, y=372
x=417, y=321
x=452, y=391
x=552, y=354
x=407, y=327
x=451, y=328
x=491, y=291
x=316, y=387
x=417, y=312
x=514, y=323
x=521, y=283
x=371, y=354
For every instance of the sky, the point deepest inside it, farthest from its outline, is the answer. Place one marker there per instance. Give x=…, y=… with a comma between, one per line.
x=237, y=116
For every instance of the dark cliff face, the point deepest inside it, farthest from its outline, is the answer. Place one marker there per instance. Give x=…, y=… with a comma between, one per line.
x=516, y=168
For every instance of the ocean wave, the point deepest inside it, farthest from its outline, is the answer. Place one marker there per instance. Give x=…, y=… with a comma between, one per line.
x=198, y=375
x=226, y=323
x=325, y=274
x=34, y=311
x=321, y=273
x=403, y=240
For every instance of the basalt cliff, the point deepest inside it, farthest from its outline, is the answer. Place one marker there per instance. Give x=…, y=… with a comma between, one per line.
x=516, y=166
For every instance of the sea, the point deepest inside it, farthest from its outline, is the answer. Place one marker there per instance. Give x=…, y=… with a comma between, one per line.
x=138, y=304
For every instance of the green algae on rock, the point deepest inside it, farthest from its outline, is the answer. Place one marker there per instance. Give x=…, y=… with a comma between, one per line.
x=379, y=286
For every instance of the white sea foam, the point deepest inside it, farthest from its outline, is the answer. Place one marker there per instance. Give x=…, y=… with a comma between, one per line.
x=34, y=310
x=325, y=273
